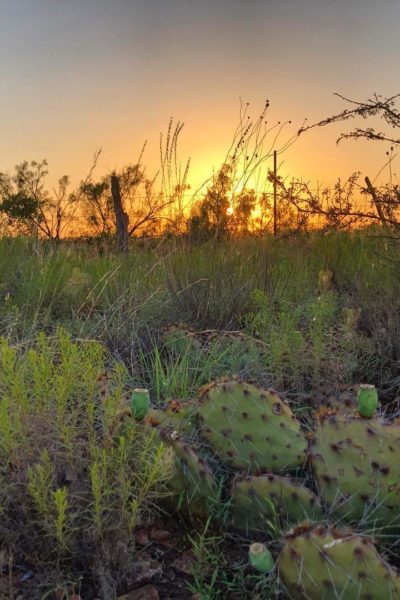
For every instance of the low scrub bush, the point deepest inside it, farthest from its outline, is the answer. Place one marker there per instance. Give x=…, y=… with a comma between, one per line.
x=75, y=477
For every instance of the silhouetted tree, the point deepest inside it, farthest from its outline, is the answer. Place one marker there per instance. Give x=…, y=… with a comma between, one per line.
x=241, y=220
x=144, y=206
x=97, y=206
x=31, y=209
x=28, y=205
x=341, y=209
x=210, y=217
x=148, y=206
x=377, y=106
x=233, y=194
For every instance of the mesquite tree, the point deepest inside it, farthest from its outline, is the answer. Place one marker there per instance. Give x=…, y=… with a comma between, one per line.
x=384, y=201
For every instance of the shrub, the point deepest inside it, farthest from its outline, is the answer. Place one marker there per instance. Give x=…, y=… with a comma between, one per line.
x=75, y=478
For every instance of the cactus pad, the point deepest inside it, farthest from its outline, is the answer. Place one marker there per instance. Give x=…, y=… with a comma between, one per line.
x=357, y=469
x=258, y=501
x=181, y=340
x=251, y=429
x=192, y=481
x=343, y=401
x=327, y=564
x=177, y=418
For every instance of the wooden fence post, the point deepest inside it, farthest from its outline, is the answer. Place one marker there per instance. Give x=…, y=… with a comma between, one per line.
x=275, y=194
x=121, y=217
x=376, y=201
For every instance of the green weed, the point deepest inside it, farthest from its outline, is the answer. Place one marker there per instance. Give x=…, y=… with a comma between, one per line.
x=75, y=473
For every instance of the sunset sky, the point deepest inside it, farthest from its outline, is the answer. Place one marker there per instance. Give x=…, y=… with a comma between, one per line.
x=77, y=75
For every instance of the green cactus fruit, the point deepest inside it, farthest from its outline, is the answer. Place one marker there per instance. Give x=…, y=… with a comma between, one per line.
x=263, y=502
x=357, y=470
x=181, y=340
x=367, y=399
x=261, y=558
x=327, y=564
x=140, y=403
x=251, y=429
x=191, y=482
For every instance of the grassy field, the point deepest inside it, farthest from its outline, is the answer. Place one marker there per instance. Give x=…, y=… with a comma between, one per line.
x=84, y=497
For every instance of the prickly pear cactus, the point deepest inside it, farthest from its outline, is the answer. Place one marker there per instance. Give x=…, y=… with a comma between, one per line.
x=342, y=402
x=176, y=419
x=327, y=564
x=250, y=428
x=192, y=481
x=265, y=501
x=181, y=340
x=357, y=469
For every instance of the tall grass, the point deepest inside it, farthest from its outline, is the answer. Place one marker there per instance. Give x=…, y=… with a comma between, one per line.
x=270, y=289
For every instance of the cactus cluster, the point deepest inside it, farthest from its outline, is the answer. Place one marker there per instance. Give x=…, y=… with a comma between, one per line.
x=179, y=339
x=275, y=476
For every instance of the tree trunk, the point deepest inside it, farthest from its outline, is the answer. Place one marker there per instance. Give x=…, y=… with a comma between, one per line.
x=121, y=217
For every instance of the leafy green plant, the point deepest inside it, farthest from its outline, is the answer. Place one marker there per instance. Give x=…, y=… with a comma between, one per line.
x=75, y=472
